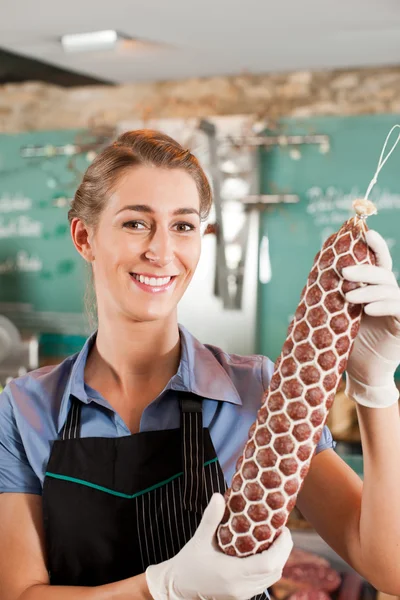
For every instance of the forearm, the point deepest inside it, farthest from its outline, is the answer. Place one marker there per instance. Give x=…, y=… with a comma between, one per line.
x=380, y=507
x=134, y=587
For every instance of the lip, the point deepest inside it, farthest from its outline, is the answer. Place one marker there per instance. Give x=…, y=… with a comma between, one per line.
x=157, y=276
x=151, y=289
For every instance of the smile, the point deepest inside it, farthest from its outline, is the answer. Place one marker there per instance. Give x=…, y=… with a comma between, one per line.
x=153, y=284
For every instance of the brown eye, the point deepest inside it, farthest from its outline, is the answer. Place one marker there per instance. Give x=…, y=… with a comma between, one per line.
x=138, y=225
x=184, y=227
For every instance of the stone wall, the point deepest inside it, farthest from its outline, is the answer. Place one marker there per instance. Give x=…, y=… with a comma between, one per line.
x=35, y=106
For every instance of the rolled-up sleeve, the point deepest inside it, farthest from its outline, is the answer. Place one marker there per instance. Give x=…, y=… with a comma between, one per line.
x=326, y=440
x=16, y=474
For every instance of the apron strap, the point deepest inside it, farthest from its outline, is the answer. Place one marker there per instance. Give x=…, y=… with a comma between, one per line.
x=193, y=453
x=72, y=427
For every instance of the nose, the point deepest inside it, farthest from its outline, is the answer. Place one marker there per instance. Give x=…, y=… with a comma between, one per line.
x=160, y=250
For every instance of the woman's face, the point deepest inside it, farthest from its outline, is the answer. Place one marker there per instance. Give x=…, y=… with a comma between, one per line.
x=147, y=243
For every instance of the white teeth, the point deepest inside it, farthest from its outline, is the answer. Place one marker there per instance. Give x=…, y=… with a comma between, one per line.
x=152, y=281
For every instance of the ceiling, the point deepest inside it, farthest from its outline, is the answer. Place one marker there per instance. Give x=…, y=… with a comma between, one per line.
x=15, y=68
x=196, y=39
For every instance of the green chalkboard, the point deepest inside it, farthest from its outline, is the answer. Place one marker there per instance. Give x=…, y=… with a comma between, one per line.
x=326, y=184
x=42, y=277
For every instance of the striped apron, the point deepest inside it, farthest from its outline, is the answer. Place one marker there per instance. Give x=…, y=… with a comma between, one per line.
x=113, y=506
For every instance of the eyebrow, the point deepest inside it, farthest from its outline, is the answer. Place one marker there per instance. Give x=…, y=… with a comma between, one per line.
x=147, y=209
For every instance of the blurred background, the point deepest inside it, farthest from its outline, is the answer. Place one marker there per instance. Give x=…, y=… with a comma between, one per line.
x=286, y=104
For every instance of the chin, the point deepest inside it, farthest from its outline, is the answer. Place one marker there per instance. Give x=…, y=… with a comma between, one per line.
x=148, y=316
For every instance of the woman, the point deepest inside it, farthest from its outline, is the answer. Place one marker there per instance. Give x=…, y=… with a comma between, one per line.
x=114, y=507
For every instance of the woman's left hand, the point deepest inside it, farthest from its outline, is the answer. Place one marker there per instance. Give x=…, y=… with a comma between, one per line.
x=376, y=351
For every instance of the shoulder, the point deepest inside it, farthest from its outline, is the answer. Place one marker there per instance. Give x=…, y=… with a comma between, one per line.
x=48, y=379
x=220, y=375
x=38, y=391
x=29, y=412
x=248, y=373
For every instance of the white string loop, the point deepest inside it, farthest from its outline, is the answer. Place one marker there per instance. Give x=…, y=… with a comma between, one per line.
x=382, y=160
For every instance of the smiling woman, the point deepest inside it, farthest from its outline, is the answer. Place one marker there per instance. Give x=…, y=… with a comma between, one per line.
x=144, y=196
x=143, y=256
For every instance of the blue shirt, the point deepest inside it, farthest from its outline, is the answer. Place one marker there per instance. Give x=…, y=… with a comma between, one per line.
x=33, y=409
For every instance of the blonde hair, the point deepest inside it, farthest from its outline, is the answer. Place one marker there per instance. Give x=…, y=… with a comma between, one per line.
x=134, y=148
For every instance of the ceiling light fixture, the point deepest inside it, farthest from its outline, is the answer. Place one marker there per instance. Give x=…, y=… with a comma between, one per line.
x=94, y=40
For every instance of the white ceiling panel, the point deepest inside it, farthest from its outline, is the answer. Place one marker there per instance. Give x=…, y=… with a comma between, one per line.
x=211, y=37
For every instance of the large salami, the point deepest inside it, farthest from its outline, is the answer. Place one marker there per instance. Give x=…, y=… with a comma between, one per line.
x=276, y=458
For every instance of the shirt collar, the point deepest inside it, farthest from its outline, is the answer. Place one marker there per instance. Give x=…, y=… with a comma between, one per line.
x=199, y=372
x=76, y=382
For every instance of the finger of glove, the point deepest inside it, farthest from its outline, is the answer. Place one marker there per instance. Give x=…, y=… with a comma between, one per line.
x=272, y=559
x=369, y=274
x=374, y=293
x=384, y=308
x=212, y=517
x=380, y=248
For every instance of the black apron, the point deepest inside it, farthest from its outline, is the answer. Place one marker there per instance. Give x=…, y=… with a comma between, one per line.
x=114, y=506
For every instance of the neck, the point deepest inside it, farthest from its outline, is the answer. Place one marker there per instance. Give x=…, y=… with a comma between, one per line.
x=128, y=355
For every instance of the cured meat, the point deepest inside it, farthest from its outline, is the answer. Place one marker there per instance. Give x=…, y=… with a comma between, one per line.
x=298, y=559
x=312, y=576
x=276, y=458
x=299, y=556
x=351, y=586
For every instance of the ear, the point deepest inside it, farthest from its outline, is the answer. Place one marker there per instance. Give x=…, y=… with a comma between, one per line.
x=82, y=236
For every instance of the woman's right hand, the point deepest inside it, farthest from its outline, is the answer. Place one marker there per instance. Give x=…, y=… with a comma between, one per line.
x=202, y=571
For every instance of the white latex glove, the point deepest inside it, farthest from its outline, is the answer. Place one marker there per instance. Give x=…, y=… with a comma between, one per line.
x=201, y=571
x=376, y=351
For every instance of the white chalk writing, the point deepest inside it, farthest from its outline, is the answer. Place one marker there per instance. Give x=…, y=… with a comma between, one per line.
x=330, y=207
x=22, y=226
x=22, y=262
x=13, y=203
